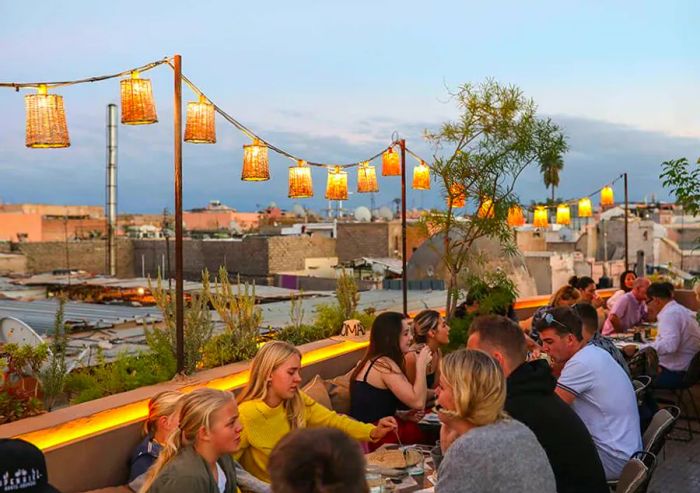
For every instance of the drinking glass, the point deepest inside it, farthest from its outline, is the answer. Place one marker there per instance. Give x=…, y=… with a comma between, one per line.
x=374, y=478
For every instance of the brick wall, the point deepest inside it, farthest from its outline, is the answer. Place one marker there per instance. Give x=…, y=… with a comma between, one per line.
x=87, y=255
x=362, y=240
x=287, y=253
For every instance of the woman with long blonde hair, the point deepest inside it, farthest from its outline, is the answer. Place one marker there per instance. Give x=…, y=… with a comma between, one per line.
x=484, y=450
x=272, y=405
x=161, y=421
x=197, y=455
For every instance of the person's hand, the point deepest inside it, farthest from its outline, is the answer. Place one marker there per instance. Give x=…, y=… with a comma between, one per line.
x=447, y=437
x=424, y=358
x=629, y=350
x=533, y=348
x=383, y=428
x=597, y=301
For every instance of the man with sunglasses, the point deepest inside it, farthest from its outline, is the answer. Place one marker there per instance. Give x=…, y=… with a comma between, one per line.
x=596, y=387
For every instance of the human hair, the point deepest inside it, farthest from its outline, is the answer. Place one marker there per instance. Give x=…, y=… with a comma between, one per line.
x=423, y=323
x=196, y=412
x=478, y=386
x=588, y=316
x=317, y=460
x=270, y=357
x=640, y=282
x=623, y=276
x=502, y=333
x=580, y=283
x=162, y=404
x=565, y=321
x=383, y=341
x=660, y=290
x=564, y=293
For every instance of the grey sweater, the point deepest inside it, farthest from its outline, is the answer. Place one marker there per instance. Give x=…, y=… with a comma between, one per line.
x=503, y=457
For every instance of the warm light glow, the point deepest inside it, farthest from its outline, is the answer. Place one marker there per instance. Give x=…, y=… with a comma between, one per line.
x=486, y=209
x=84, y=427
x=367, y=178
x=138, y=106
x=45, y=120
x=584, y=207
x=337, y=186
x=199, y=126
x=563, y=214
x=391, y=163
x=516, y=216
x=607, y=197
x=256, y=165
x=456, y=196
x=421, y=177
x=541, y=219
x=300, y=184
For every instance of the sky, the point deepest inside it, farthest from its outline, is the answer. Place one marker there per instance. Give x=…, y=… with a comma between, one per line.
x=331, y=81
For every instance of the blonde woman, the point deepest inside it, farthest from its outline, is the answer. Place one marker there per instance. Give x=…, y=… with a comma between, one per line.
x=197, y=455
x=272, y=405
x=484, y=450
x=429, y=330
x=162, y=420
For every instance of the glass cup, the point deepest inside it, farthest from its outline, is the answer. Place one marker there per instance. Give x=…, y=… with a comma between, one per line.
x=415, y=454
x=374, y=478
x=654, y=330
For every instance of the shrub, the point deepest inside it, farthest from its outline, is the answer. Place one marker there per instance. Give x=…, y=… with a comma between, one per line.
x=53, y=376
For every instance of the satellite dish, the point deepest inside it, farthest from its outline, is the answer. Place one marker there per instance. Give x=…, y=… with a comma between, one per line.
x=363, y=214
x=272, y=205
x=298, y=210
x=386, y=213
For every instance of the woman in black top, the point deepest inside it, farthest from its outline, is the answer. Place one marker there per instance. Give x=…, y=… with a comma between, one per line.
x=379, y=384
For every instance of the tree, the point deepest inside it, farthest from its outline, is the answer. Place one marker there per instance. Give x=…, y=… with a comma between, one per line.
x=480, y=157
x=684, y=181
x=550, y=167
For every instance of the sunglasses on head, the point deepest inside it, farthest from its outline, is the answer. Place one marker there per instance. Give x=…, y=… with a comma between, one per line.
x=550, y=320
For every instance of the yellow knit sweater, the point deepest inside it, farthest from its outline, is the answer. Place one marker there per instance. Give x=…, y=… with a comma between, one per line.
x=264, y=426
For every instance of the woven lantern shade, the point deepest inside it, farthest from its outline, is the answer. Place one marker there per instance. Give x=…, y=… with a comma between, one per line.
x=256, y=165
x=584, y=207
x=486, y=209
x=541, y=219
x=391, y=163
x=516, y=216
x=300, y=185
x=563, y=214
x=456, y=196
x=199, y=126
x=138, y=107
x=337, y=186
x=46, y=120
x=421, y=177
x=607, y=197
x=367, y=178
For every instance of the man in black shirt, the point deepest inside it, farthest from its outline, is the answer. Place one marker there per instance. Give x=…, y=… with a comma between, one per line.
x=531, y=399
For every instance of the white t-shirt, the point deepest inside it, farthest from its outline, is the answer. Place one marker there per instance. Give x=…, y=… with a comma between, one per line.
x=220, y=478
x=606, y=403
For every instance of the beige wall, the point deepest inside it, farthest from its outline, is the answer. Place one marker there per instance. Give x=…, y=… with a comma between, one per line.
x=88, y=255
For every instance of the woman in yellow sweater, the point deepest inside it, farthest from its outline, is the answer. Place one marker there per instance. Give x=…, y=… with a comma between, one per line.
x=272, y=405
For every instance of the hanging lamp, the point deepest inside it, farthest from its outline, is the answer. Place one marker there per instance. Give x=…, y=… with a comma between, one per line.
x=45, y=120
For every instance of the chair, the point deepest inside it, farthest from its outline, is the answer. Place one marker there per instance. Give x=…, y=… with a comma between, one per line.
x=661, y=425
x=641, y=383
x=636, y=474
x=692, y=377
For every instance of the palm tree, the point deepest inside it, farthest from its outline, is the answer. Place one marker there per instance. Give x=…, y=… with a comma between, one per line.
x=550, y=167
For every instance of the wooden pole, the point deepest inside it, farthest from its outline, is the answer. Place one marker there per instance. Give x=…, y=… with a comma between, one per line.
x=179, y=283
x=404, y=274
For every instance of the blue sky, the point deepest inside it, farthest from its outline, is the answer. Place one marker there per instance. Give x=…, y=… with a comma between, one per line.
x=331, y=81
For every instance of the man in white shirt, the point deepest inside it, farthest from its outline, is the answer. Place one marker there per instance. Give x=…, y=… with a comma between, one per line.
x=678, y=338
x=596, y=387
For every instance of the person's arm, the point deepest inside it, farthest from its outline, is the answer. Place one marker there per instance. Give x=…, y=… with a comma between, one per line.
x=410, y=360
x=413, y=395
x=177, y=483
x=616, y=322
x=247, y=482
x=320, y=416
x=575, y=379
x=669, y=338
x=565, y=395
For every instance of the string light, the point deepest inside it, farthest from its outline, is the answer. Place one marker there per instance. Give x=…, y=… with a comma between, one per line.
x=367, y=178
x=516, y=217
x=607, y=197
x=456, y=196
x=391, y=163
x=540, y=220
x=200, y=126
x=45, y=120
x=421, y=176
x=256, y=164
x=300, y=184
x=337, y=185
x=138, y=107
x=585, y=208
x=563, y=214
x=486, y=209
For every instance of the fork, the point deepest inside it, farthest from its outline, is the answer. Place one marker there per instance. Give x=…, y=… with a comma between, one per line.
x=403, y=449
